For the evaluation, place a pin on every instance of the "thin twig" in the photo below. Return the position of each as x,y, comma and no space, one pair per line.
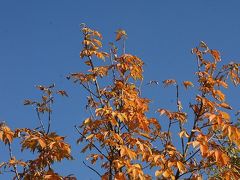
111,60
96,82
49,115
124,44
180,123
92,144
11,157
192,155
92,169
89,90
40,121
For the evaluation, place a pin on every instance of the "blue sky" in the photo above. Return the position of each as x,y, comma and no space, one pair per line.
40,44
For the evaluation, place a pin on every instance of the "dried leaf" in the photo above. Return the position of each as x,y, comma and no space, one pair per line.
169,82
120,33
62,92
187,84
225,105
181,167
216,55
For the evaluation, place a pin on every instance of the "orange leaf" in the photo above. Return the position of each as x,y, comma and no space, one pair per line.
90,136
120,33
204,150
96,33
181,167
167,173
88,63
216,55
158,173
187,84
212,117
225,115
120,176
218,95
225,105
97,42
41,143
183,133
169,82
87,121
195,143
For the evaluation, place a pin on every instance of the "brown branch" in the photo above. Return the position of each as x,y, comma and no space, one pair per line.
96,82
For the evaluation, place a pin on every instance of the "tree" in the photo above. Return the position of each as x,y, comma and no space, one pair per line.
120,138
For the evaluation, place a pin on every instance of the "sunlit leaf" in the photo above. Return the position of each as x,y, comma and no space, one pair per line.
120,33
187,84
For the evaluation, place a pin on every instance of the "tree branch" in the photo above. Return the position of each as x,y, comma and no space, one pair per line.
11,157
92,169
92,144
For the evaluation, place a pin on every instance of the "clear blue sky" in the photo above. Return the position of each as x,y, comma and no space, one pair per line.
40,44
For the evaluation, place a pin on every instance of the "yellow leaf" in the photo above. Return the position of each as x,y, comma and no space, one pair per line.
126,151
183,133
181,167
225,115
122,117
167,173
131,154
42,143
156,158
87,121
212,117
158,173
195,143
117,137
90,136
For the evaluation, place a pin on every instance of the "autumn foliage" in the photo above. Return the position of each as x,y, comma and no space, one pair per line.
120,139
